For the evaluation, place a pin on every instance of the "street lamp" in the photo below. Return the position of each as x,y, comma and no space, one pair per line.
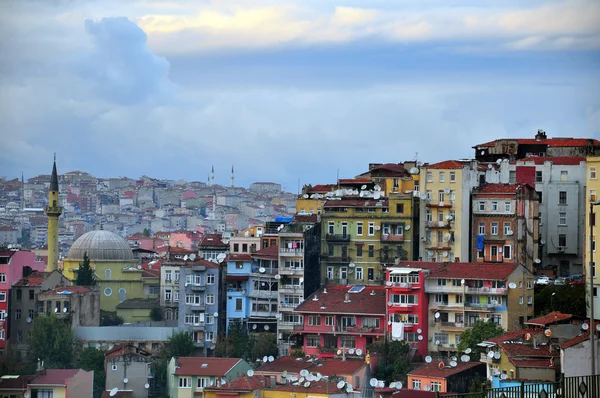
591,273
551,299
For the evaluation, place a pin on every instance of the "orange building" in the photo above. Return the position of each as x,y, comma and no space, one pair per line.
441,377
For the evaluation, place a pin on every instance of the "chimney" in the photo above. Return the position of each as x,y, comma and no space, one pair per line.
541,135
347,298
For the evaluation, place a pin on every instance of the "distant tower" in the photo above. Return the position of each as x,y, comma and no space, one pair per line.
53,211
232,177
212,177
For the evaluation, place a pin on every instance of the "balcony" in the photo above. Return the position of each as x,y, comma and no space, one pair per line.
495,238
267,271
198,268
402,285
197,288
283,251
196,327
337,238
287,306
444,204
441,246
357,330
264,314
451,326
444,289
288,325
437,224
485,359
480,306
447,305
337,259
398,307
199,343
486,290
198,307
269,294
291,270
291,289
392,238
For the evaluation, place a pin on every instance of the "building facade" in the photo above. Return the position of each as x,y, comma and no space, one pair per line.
591,255
79,305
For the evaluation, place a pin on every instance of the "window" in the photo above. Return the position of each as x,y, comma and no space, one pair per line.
452,176
210,279
348,341
507,229
359,228
328,321
428,194
593,173
330,227
436,386
442,176
359,273
440,196
507,252
512,176
371,229
209,336
562,240
210,319
562,198
168,295
185,382
31,313
313,340
480,253
452,196
507,207
19,336
238,304
429,176
416,384
1,334
330,249
358,250
494,228
210,298
43,393
2,296
176,274
329,272
538,176
19,294
168,275
530,300
122,295
481,205
529,285
441,298
314,320
564,176
108,292
520,299
562,218
203,382
17,314
399,208
371,274
2,277
428,215
371,250
494,206
31,294
481,228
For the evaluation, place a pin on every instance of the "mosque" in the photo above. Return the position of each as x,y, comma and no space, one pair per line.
118,273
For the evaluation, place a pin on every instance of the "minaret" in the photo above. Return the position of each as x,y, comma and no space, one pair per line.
232,177
53,211
212,177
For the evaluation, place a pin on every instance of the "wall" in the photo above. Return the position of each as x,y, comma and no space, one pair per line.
520,277
576,360
81,385
134,315
132,366
425,381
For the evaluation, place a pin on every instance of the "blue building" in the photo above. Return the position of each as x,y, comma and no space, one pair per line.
199,286
239,267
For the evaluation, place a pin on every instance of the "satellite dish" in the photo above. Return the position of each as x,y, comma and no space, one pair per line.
437,342
250,372
216,314
483,152
381,384
341,384
146,386
407,227
266,327
388,283
393,384
428,359
310,377
467,358
447,237
437,315
512,285
307,384
373,382
284,374
445,254
27,395
339,352
504,376
598,327
527,336
453,363
498,161
277,276
426,388
265,358
363,187
390,303
254,327
490,166
351,351
490,354
301,279
453,358
398,385
358,351
305,196
185,258
65,309
271,358
221,257
56,310
28,320
423,196
446,190
468,351
537,260
377,187
114,392
420,337
126,380
192,256
548,332
585,326
351,265
497,355
441,365
261,270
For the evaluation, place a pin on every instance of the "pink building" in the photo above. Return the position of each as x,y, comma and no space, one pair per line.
14,265
185,239
342,318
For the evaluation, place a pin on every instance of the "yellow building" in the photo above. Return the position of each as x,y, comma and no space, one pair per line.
311,200
119,275
444,189
363,230
593,195
62,383
393,177
53,211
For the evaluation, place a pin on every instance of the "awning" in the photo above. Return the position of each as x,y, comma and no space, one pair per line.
403,270
237,277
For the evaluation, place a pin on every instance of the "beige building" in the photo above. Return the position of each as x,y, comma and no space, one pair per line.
593,195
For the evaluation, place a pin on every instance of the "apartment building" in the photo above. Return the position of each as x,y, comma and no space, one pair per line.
505,224
263,294
393,177
445,189
170,275
592,211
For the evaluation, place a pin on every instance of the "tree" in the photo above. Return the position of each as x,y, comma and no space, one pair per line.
146,232
52,341
480,331
156,314
568,299
236,344
263,344
110,319
180,344
93,359
85,274
394,363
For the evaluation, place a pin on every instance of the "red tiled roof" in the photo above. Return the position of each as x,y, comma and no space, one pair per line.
485,271
6,228
239,257
360,303
532,363
549,319
268,253
551,142
206,263
243,383
419,264
316,387
212,240
328,367
54,377
312,218
576,340
517,334
350,181
499,188
447,164
193,366
35,279
16,383
433,369
72,289
322,188
151,273
338,367
407,393
556,160
119,394
7,253
389,170
527,350
288,363
355,203
187,194
180,250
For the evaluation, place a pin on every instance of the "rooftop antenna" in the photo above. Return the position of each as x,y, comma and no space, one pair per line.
232,177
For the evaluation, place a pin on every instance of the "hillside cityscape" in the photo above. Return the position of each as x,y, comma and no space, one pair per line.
466,276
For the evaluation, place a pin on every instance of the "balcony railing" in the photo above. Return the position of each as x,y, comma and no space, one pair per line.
403,285
267,271
198,307
437,224
444,289
264,293
354,329
446,304
392,238
485,359
291,270
291,289
482,306
337,238
452,325
289,324
293,252
198,268
264,313
486,290
440,203
197,288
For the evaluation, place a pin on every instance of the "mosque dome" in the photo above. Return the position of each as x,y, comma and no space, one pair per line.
101,245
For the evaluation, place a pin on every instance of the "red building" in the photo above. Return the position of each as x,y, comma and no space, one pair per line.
407,305
342,318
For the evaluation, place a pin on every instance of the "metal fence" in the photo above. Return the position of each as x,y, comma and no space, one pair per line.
568,387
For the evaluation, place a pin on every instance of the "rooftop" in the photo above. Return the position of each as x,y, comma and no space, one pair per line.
8,382
200,366
551,318
485,271
447,164
35,279
532,363
243,383
67,290
212,240
54,377
550,142
327,367
271,252
364,301
556,160
499,188
433,369
139,304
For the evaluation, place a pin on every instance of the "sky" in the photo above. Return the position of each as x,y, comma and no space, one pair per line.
293,91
